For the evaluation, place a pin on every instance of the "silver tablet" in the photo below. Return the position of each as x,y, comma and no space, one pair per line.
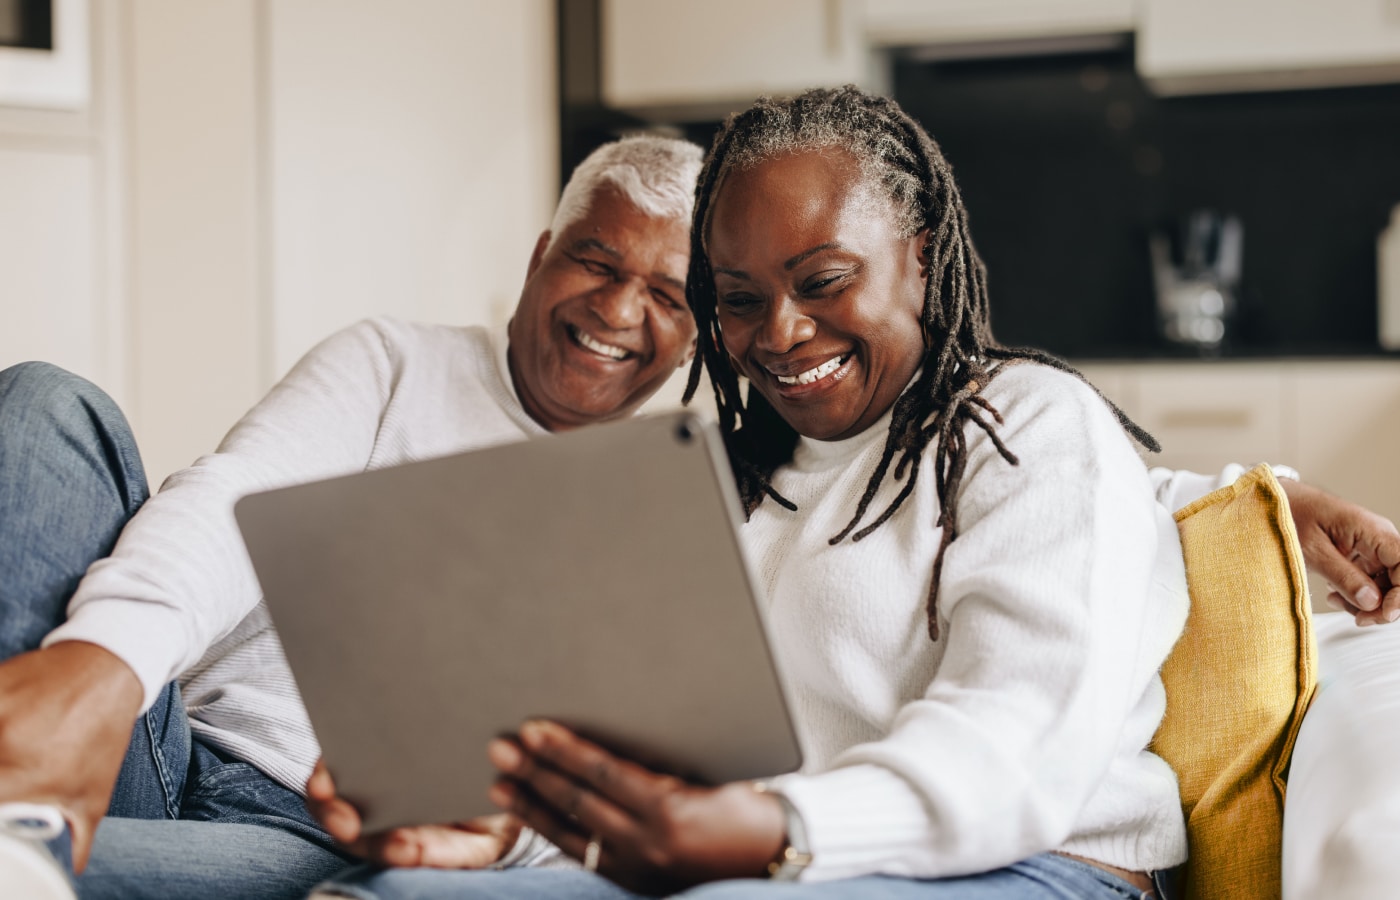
593,577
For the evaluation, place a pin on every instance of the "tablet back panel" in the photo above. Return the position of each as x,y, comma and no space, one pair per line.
592,577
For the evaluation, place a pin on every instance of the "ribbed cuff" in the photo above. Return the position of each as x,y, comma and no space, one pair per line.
139,634
859,819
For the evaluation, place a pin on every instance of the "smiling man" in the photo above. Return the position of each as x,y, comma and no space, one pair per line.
166,628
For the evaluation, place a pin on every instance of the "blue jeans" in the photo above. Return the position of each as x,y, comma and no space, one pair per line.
184,820
1045,877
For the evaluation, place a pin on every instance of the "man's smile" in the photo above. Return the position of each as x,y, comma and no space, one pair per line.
592,344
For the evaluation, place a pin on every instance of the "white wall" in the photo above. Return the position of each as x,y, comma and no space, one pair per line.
61,254
412,155
253,174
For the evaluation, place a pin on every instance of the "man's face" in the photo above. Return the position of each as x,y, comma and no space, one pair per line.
602,320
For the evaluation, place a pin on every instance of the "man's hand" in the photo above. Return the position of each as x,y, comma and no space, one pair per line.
66,715
1355,550
656,833
462,845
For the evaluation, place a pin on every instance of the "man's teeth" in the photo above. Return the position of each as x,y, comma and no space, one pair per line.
599,347
811,375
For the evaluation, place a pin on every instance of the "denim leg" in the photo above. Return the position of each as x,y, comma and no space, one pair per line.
366,882
153,775
134,859
70,478
1044,877
1048,876
222,788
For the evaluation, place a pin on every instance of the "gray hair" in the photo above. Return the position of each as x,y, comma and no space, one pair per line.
656,174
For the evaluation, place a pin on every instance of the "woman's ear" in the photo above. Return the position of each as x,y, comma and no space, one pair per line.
925,251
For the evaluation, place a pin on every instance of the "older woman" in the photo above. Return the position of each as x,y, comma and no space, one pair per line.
971,587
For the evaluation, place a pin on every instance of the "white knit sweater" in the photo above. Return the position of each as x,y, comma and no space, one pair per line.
178,597
1023,728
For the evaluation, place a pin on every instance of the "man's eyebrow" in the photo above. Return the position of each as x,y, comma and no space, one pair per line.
677,283
595,244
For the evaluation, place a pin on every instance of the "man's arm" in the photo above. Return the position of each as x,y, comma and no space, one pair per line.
65,722
1354,549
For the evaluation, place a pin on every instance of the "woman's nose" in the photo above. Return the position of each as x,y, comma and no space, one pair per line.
621,304
784,327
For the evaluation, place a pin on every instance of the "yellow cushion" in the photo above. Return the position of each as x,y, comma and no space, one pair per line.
1238,683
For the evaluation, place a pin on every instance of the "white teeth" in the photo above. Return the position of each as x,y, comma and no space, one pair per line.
598,347
811,375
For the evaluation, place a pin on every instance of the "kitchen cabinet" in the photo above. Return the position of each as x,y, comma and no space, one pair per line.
660,56
917,22
1337,422
1196,46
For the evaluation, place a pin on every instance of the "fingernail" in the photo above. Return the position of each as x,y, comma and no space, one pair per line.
1392,615
532,733
1368,597
504,755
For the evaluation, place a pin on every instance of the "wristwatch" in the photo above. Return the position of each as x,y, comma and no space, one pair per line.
796,854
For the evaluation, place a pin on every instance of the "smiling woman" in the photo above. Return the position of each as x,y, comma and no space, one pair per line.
973,672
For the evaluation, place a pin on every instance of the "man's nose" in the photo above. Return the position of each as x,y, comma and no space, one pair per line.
784,326
621,304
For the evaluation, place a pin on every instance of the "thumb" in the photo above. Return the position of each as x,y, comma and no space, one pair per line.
1349,579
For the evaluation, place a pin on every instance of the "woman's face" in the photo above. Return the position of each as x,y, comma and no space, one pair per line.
819,297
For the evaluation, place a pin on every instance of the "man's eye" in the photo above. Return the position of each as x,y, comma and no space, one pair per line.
594,267
667,299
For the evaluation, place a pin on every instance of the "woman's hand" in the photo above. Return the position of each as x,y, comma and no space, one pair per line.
462,845
657,833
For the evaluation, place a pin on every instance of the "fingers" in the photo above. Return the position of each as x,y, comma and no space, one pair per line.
561,831
340,819
583,807
437,846
1343,574
320,786
625,783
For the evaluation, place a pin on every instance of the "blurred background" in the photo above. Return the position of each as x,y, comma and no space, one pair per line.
1191,199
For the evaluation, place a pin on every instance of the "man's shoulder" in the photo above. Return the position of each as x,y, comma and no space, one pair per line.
404,332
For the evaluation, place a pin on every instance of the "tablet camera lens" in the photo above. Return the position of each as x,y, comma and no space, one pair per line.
685,433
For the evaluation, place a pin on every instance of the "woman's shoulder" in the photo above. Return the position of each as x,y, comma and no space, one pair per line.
1042,405
1027,388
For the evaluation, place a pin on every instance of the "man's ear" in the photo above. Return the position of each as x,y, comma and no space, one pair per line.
537,256
689,354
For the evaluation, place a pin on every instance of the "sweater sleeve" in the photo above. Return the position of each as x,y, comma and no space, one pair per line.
179,577
1177,487
1057,615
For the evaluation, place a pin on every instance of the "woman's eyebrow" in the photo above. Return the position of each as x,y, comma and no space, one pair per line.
805,255
788,265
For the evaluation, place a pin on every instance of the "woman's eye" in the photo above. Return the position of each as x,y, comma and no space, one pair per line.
738,302
824,282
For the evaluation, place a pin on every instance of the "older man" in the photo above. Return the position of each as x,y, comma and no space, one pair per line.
601,323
